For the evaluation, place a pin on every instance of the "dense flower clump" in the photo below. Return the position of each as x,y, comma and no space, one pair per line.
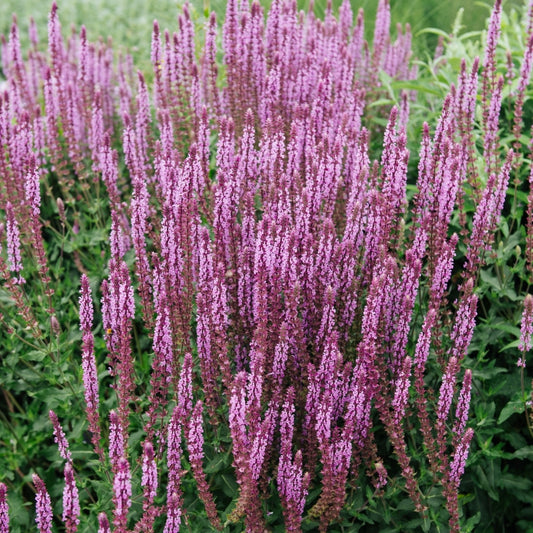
294,298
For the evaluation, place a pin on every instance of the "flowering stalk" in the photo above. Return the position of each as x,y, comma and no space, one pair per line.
59,438
71,502
90,378
4,510
43,506
195,442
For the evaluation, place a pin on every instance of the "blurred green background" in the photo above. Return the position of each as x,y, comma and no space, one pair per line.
129,22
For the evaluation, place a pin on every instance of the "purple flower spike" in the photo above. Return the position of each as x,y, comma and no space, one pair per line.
116,441
43,506
59,437
103,524
90,375
4,510
149,472
121,494
461,415
457,465
71,502
13,241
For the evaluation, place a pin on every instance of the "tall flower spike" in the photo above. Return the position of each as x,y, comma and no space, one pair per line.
71,502
43,506
489,62
195,443
13,242
88,364
4,510
175,472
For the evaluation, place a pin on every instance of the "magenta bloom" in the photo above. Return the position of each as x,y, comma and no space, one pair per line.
4,510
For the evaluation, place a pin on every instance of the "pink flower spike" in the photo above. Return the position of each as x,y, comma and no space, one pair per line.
43,506
71,502
461,414
149,472
103,524
4,510
526,326
86,305
59,437
457,466
116,441
447,390
13,242
175,472
122,494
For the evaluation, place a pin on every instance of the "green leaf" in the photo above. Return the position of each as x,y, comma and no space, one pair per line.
524,453
512,407
514,483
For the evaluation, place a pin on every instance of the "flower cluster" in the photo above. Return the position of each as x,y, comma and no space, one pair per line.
277,266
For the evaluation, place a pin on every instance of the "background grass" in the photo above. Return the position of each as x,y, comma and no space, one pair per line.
129,22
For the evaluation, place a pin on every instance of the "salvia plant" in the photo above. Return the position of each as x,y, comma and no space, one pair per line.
273,304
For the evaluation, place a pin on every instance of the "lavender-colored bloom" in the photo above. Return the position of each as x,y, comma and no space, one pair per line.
461,414
292,482
86,305
116,441
195,436
55,40
31,189
59,437
237,415
174,452
43,506
447,390
172,524
103,524
121,494
489,62
463,328
195,444
185,388
4,510
149,472
401,393
457,466
90,376
71,502
262,439
13,241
